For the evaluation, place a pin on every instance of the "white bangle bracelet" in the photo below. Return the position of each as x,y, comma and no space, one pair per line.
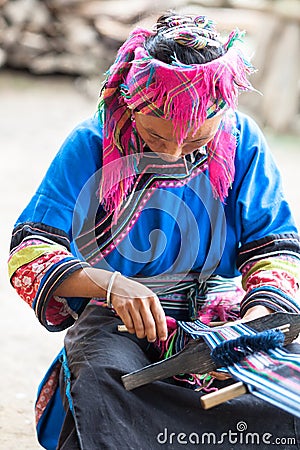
109,288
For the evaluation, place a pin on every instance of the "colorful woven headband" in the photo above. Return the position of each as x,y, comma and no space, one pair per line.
155,88
197,32
138,81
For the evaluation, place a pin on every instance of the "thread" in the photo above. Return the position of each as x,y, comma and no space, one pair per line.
232,351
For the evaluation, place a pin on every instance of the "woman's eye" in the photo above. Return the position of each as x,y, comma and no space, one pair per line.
199,141
155,136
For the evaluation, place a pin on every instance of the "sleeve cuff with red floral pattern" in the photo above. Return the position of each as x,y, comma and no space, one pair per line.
40,260
270,270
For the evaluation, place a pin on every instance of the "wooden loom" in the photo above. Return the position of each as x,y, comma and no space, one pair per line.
195,357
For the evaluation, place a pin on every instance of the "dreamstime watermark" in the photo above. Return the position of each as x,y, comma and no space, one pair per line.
239,436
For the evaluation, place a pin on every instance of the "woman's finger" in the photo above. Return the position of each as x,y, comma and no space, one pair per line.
138,323
160,320
127,320
149,322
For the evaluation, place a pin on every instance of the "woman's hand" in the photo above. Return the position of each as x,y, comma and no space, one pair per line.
137,305
255,312
139,308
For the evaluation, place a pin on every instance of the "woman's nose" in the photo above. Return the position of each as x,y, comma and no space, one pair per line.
173,149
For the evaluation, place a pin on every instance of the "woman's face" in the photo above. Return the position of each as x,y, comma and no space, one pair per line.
159,135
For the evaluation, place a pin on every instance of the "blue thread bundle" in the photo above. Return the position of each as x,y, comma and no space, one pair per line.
229,352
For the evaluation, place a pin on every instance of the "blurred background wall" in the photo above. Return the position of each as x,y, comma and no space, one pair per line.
80,38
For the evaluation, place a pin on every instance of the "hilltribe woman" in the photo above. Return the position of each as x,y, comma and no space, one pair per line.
149,213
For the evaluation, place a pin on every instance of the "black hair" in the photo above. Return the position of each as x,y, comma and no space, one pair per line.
165,49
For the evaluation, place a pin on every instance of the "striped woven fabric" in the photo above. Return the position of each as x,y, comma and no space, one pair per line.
186,297
272,375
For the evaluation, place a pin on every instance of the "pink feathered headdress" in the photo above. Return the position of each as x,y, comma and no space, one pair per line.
185,94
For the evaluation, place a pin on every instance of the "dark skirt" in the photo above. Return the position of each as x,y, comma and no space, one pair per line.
101,414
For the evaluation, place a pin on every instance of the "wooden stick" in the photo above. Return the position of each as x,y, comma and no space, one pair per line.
123,328
284,328
223,395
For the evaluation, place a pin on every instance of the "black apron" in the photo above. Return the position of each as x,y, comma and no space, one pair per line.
161,415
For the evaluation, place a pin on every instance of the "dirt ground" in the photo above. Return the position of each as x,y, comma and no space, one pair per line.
36,115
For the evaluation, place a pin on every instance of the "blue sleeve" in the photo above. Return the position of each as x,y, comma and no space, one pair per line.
261,207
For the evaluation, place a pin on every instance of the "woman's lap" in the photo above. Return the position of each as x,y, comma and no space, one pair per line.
159,415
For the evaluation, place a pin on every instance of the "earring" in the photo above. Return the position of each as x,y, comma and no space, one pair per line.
132,118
